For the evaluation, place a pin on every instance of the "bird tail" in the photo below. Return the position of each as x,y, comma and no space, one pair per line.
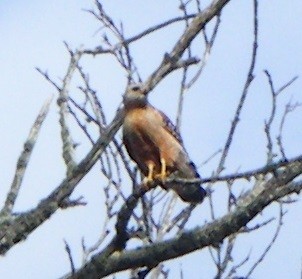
188,191
191,193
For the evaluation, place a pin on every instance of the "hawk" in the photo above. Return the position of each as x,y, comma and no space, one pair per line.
154,144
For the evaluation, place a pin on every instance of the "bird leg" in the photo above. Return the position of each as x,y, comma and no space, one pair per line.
163,172
149,177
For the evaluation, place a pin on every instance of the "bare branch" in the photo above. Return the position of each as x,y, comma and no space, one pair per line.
46,76
191,240
68,145
250,78
236,266
227,257
267,249
100,50
225,151
67,203
206,54
258,226
268,123
68,250
272,168
148,219
25,223
87,251
286,85
288,109
24,160
196,25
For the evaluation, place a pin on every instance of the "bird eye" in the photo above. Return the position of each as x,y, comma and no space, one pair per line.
135,88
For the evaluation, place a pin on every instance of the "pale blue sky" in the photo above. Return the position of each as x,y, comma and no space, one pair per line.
32,34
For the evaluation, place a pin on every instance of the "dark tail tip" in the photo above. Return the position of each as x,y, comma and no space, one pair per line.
193,193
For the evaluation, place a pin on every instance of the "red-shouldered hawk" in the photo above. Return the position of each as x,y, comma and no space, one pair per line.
154,144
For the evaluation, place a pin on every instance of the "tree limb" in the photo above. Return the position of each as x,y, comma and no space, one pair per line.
19,228
198,238
24,160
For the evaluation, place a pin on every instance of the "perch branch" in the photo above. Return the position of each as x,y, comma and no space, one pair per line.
192,240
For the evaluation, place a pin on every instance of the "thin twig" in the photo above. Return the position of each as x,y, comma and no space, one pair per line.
67,203
283,87
184,74
206,53
229,140
237,266
269,246
268,124
195,26
46,76
258,226
88,251
82,126
250,78
243,175
68,145
68,250
288,109
100,50
227,257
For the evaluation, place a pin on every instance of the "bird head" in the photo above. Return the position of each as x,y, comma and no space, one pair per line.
135,96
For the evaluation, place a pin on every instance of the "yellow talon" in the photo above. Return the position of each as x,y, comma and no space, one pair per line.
163,173
149,178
